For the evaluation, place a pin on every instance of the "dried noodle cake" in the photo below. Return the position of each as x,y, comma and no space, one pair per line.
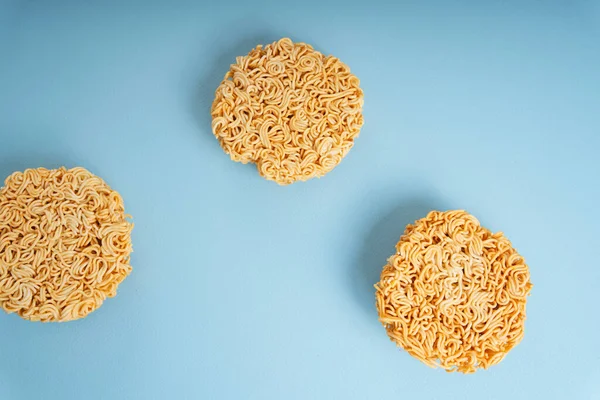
65,243
454,294
289,109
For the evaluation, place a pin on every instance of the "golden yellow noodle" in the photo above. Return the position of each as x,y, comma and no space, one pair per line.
289,109
64,244
454,294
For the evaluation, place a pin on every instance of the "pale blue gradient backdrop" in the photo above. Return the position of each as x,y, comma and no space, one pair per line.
245,290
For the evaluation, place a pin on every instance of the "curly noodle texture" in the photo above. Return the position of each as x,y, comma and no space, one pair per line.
454,294
289,109
64,244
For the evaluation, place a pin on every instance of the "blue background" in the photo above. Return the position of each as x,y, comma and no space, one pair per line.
245,290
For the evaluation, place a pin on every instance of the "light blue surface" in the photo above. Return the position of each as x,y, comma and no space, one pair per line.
245,290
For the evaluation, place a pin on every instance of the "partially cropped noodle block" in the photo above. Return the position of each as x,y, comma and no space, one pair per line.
64,244
454,294
289,109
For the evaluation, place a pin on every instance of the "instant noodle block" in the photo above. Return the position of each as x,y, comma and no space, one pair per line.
454,294
65,242
289,109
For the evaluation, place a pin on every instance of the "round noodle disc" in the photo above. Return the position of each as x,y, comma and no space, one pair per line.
64,244
289,109
454,294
